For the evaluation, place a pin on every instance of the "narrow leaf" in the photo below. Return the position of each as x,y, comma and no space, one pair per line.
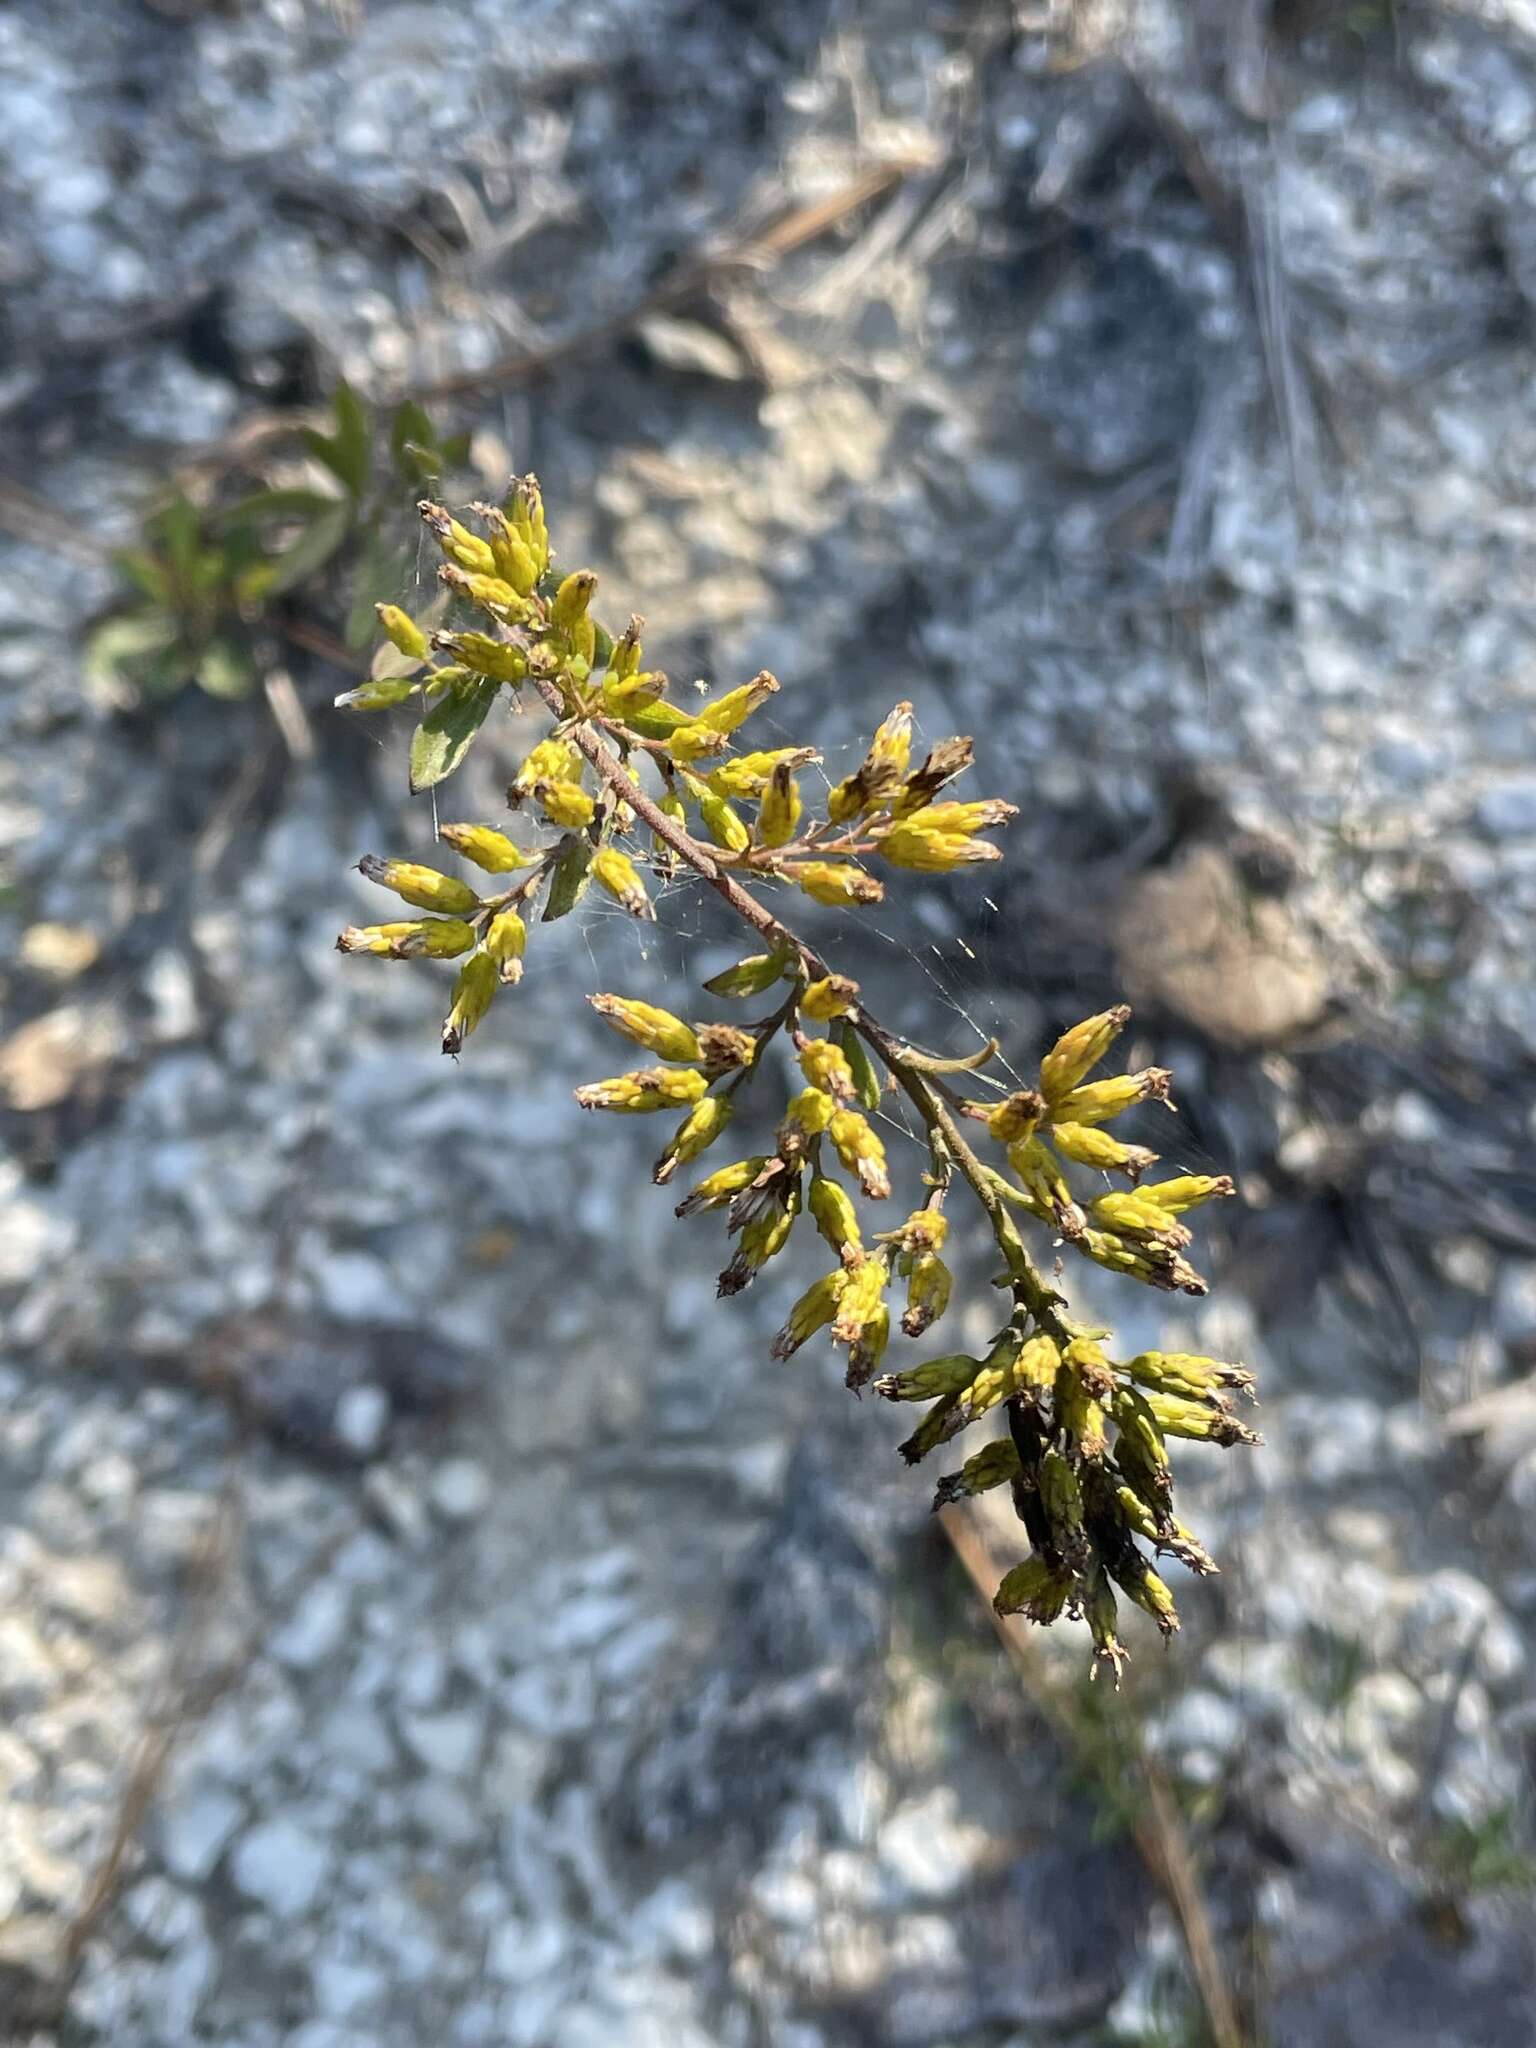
572,873
445,735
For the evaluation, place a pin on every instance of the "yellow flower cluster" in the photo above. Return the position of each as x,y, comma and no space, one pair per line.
626,782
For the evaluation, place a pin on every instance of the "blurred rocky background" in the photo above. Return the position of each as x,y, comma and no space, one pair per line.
424,1614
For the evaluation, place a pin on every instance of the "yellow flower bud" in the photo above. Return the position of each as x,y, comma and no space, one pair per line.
723,824
924,1231
572,599
1201,1421
1018,1116
747,774
833,1212
567,804
995,1464
812,1312
879,775
513,557
811,1111
550,761
835,882
763,1236
472,995
726,713
723,1185
1041,1178
861,1152
695,1134
1091,1147
1101,1100
1079,1050
779,811
432,938
657,1030
833,996
402,631
912,844
506,940
617,873
964,819
466,550
525,516
489,592
486,847
423,887
1035,1589
1036,1367
825,1067
1101,1614
379,693
1133,1216
929,1285
936,1379
1188,1191
1080,1417
1137,1580
1183,1372
650,1088
484,656
935,1428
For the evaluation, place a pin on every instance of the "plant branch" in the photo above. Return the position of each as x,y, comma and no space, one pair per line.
1030,1288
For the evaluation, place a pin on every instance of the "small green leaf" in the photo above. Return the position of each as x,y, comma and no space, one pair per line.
177,529
455,450
291,503
135,654
572,873
353,440
410,423
445,735
311,551
145,572
224,669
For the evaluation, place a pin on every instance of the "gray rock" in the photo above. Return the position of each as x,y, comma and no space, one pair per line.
194,1829
1508,811
460,1490
314,1630
281,1864
449,1742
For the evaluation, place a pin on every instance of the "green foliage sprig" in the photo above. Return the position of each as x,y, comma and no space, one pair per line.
203,579
629,781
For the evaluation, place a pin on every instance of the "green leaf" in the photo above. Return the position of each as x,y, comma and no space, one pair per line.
572,873
311,551
224,669
291,503
445,735
145,571
455,450
135,654
353,440
177,529
410,423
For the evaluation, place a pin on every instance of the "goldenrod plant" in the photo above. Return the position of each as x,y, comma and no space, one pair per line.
628,783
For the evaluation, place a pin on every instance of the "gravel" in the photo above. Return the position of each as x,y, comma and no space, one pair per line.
541,1668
